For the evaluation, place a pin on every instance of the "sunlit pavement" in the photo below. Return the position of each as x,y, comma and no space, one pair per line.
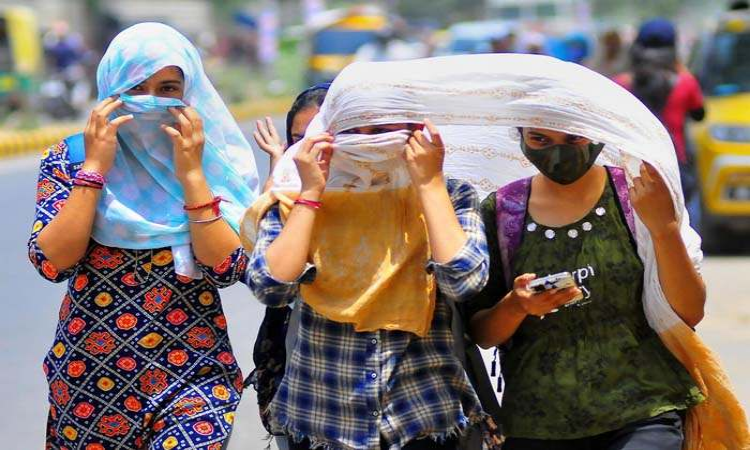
30,309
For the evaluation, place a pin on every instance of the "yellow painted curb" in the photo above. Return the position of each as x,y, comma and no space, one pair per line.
16,143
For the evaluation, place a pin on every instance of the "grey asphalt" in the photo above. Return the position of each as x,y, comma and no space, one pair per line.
30,309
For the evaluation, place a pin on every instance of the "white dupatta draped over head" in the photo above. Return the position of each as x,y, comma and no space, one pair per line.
476,102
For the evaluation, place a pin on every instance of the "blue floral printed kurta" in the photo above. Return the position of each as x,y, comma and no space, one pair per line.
141,356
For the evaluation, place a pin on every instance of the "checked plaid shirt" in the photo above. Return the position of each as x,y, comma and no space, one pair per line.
348,390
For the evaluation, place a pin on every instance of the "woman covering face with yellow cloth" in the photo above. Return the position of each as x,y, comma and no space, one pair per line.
362,226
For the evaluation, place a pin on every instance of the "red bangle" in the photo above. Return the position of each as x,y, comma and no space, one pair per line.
213,204
311,203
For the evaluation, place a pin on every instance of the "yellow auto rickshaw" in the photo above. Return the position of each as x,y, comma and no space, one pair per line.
338,37
721,61
20,54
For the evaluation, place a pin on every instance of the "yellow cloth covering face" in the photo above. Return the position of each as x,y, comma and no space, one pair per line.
370,251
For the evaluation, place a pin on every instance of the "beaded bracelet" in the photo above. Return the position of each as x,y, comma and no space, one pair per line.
90,176
311,203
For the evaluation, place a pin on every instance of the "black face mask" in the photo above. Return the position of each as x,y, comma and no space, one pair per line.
563,163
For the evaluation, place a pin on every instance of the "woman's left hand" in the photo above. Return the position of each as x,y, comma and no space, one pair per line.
653,202
188,139
424,157
268,138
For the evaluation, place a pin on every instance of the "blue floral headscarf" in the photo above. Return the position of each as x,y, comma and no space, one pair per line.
142,203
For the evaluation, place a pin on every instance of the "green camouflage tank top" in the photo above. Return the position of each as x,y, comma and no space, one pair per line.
595,366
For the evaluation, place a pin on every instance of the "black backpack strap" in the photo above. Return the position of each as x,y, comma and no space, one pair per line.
468,353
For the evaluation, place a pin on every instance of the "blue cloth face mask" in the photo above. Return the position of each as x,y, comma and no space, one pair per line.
143,174
149,104
144,132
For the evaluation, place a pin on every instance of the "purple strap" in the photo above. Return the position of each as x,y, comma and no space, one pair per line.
623,195
511,203
510,206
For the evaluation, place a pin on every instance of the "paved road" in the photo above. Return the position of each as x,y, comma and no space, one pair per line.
31,307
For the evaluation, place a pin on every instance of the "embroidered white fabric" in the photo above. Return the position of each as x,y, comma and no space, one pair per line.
476,102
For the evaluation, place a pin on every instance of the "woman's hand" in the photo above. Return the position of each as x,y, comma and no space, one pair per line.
539,304
313,161
680,281
424,161
100,136
188,140
424,157
66,238
268,138
653,202
287,254
494,326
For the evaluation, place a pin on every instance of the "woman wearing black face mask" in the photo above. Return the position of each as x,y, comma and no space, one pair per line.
582,367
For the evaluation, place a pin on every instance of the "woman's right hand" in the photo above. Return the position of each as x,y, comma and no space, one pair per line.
313,161
268,139
100,136
539,304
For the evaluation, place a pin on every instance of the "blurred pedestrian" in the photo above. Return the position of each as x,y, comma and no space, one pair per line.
140,213
64,47
270,350
577,48
504,42
612,55
670,92
66,91
533,43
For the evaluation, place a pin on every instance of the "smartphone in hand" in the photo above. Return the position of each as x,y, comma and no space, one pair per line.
560,280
